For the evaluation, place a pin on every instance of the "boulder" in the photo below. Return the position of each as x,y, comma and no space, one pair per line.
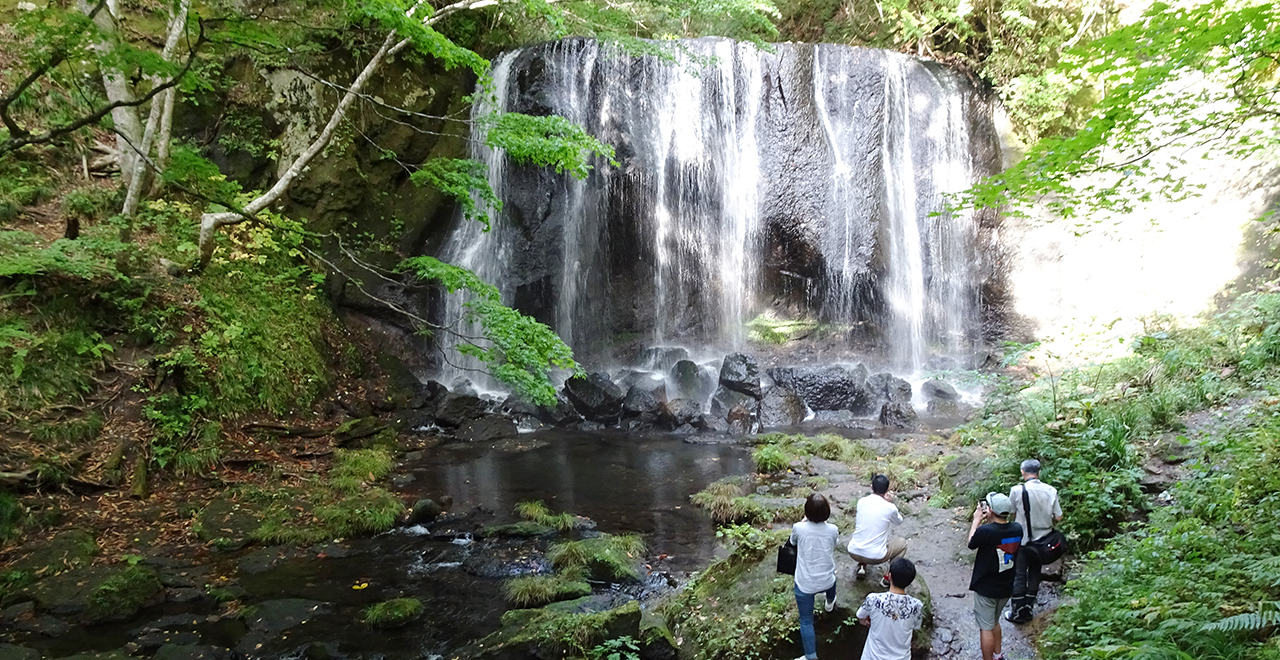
529,634
645,396
456,409
595,396
939,389
833,387
662,358
679,412
424,512
943,408
740,421
487,428
898,415
726,399
713,423
963,473
12,652
888,387
740,373
781,407
228,524
691,381
427,395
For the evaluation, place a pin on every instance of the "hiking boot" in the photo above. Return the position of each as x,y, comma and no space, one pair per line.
829,604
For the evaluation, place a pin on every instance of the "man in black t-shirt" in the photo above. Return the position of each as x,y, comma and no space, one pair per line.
997,543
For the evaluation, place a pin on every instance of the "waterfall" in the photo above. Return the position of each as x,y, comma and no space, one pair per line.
802,182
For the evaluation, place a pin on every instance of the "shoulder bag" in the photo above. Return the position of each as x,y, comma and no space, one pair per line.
787,558
1048,548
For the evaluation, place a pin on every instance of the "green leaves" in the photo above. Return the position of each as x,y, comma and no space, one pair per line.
1200,76
465,181
550,141
520,351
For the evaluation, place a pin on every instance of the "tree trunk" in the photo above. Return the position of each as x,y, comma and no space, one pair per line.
177,23
211,222
127,125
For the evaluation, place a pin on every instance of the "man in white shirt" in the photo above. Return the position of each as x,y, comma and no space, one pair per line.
1045,511
892,617
877,514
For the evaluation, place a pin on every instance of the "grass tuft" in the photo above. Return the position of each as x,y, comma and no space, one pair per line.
392,613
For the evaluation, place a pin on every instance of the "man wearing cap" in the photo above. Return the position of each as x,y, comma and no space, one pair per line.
997,541
1045,510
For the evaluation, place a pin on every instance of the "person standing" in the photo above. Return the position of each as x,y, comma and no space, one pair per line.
997,541
877,514
815,540
1037,515
892,617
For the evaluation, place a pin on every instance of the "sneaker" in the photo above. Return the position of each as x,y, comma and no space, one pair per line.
862,572
884,582
998,656
829,604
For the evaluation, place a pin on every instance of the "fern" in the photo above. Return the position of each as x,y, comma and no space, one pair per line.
1268,615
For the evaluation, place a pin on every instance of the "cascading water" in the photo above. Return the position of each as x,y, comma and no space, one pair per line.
742,176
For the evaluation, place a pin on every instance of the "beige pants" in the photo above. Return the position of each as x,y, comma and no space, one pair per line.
897,548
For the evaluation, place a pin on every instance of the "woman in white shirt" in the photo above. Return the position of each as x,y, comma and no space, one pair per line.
815,540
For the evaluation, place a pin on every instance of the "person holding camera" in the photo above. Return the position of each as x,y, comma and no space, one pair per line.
997,541
871,543
1037,509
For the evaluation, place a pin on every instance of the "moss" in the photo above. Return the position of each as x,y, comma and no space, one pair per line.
538,512
124,593
524,528
767,330
392,613
605,557
353,470
536,590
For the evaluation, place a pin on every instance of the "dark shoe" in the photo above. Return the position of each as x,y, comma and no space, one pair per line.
1008,616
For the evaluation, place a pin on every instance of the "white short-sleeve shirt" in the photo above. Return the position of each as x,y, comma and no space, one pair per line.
815,565
894,617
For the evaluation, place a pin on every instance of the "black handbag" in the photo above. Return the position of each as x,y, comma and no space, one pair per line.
1048,548
787,558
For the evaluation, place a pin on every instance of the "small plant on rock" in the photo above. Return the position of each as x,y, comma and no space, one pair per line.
770,459
537,590
392,613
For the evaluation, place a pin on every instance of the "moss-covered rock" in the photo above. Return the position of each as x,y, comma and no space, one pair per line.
98,593
228,524
741,607
559,630
521,529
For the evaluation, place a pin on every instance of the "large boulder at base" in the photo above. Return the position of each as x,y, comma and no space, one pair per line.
939,389
487,428
781,407
834,387
962,474
729,595
740,421
424,512
740,373
726,399
595,396
679,412
456,409
691,381
662,358
888,387
228,524
12,652
646,396
898,415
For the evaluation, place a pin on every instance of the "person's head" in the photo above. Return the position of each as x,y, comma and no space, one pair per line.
879,484
816,508
902,573
1000,505
1030,469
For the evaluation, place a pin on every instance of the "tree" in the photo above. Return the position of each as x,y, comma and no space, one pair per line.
1203,76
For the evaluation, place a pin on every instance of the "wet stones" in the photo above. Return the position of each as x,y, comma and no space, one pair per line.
12,652
678,413
645,396
939,390
487,428
887,387
726,399
833,387
424,512
595,396
662,358
781,407
456,409
898,414
691,381
740,373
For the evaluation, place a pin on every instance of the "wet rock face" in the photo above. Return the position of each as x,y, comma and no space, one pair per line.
740,373
887,387
726,399
487,428
456,409
898,415
780,407
646,396
691,381
828,388
662,358
595,396
681,412
939,389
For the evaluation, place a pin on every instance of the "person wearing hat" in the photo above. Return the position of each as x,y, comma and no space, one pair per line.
997,541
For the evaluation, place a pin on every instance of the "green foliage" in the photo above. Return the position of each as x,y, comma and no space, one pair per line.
522,351
618,648
1267,616
766,329
344,504
549,141
607,556
465,181
1183,75
354,470
770,459
124,591
538,590
12,516
21,254
392,613
538,512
